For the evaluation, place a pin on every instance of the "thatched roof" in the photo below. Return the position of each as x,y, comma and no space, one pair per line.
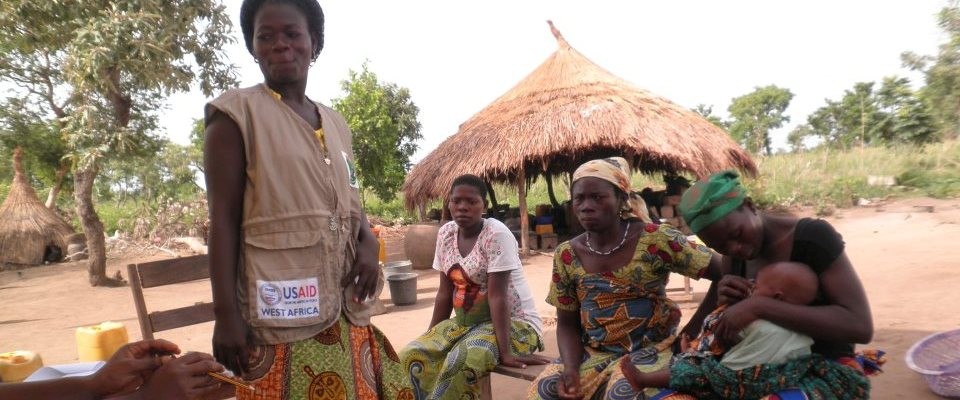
568,111
27,227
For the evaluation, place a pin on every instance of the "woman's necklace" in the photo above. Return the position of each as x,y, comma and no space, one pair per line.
608,252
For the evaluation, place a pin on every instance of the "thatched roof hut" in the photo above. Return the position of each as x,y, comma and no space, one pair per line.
567,111
29,231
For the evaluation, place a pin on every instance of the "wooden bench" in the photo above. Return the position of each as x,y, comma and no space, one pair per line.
529,374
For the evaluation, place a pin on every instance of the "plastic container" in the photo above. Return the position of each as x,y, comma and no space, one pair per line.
937,359
16,366
99,342
382,256
543,229
396,267
543,220
403,288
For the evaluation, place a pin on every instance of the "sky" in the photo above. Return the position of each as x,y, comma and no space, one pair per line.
456,57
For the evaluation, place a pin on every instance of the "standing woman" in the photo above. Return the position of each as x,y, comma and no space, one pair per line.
495,320
292,258
609,288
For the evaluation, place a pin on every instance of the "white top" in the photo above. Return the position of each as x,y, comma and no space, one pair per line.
763,342
496,250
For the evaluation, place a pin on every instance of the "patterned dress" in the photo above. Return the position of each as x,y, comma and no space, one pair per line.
449,360
623,313
344,361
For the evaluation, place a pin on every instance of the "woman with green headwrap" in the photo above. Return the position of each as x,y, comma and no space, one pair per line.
720,213
608,286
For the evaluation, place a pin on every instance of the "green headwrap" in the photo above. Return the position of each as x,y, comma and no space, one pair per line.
708,201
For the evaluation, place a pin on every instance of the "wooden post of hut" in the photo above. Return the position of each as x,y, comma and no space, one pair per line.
524,221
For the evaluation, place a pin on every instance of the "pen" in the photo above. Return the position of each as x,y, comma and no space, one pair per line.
233,381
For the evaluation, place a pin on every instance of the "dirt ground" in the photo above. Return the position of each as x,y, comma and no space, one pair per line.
904,254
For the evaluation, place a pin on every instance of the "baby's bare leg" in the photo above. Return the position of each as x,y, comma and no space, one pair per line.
641,380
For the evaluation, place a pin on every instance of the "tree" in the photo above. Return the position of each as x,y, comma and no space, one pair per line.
162,170
910,120
861,119
797,136
101,68
864,116
706,112
826,123
942,73
383,119
43,150
755,114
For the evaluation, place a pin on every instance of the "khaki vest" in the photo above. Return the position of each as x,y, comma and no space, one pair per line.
300,216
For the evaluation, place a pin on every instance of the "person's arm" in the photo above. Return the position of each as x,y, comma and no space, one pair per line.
716,269
365,264
569,332
845,318
72,388
123,373
224,167
443,304
185,378
498,284
692,329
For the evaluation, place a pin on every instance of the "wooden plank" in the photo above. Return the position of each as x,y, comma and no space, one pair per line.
529,373
486,391
146,330
174,270
183,316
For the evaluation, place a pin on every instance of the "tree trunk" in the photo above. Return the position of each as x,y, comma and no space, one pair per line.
55,190
524,221
493,196
83,180
553,196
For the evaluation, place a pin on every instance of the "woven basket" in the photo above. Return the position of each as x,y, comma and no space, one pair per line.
937,359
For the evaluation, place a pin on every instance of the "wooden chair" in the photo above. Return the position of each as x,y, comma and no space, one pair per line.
168,272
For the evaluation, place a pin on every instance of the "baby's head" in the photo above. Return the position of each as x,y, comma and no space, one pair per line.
791,282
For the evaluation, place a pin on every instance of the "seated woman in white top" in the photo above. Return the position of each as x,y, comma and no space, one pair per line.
495,319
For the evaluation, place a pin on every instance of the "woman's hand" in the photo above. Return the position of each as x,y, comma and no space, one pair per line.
734,319
510,360
130,366
732,289
569,386
366,266
230,344
186,378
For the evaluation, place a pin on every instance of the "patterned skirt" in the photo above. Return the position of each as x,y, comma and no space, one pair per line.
600,375
813,375
342,362
449,360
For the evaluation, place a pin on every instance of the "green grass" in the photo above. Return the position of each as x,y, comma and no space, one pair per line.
114,215
390,211
827,179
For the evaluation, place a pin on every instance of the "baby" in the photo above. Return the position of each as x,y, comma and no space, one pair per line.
762,342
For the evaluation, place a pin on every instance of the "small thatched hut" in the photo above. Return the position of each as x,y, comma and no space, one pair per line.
567,111
30,233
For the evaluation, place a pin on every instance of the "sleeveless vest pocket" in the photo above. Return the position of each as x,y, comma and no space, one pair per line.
292,272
